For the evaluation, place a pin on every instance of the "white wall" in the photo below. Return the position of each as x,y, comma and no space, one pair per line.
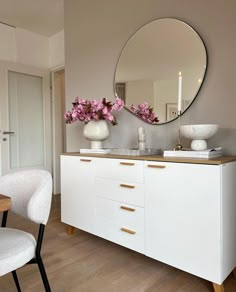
95,36
56,50
22,46
8,43
25,47
138,91
31,48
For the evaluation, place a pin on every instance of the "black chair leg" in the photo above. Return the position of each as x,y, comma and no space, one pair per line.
4,218
16,280
43,274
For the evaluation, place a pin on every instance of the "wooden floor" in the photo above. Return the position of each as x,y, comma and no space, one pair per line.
85,263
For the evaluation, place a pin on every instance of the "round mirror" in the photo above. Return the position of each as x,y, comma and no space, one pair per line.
160,70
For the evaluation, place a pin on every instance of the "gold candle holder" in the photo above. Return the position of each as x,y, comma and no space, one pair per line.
179,146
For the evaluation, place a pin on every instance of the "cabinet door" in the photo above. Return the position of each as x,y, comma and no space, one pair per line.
183,216
77,189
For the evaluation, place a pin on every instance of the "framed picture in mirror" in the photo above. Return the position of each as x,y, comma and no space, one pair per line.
171,111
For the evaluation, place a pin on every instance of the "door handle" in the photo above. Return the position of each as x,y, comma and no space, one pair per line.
7,132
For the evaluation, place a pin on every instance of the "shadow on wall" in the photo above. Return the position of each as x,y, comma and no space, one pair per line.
125,134
227,138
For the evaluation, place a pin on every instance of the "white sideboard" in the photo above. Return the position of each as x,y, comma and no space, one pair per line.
182,214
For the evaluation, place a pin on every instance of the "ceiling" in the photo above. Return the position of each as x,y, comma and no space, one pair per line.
45,17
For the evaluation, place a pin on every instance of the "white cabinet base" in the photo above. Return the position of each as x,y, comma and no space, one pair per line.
182,214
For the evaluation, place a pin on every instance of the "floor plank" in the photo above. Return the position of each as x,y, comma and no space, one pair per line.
85,263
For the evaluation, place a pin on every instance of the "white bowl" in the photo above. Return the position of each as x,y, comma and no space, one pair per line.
198,133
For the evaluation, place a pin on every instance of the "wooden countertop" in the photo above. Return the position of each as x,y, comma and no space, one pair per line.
213,161
5,203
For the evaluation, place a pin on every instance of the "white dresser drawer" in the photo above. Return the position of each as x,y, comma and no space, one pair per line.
131,193
120,169
120,223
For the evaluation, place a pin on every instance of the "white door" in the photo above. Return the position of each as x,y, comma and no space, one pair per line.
25,118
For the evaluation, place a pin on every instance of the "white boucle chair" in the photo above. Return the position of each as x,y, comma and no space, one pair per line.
31,194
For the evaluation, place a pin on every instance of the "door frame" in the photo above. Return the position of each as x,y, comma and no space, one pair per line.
6,66
55,165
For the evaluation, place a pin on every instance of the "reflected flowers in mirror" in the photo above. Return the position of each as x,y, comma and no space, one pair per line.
145,112
85,110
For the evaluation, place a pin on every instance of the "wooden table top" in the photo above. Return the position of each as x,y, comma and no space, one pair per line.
212,161
5,203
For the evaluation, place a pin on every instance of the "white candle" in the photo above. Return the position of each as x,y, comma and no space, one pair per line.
180,93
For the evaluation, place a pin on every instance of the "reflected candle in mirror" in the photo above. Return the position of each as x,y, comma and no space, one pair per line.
180,93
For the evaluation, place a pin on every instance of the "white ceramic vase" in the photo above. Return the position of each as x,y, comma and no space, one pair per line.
96,132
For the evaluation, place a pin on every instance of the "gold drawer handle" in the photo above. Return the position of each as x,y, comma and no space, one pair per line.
85,160
127,186
156,166
127,163
127,230
127,208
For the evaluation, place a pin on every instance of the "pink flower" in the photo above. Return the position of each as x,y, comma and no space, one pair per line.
145,112
118,105
105,111
86,110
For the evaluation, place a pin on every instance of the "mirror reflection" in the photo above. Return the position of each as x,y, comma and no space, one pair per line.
161,70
